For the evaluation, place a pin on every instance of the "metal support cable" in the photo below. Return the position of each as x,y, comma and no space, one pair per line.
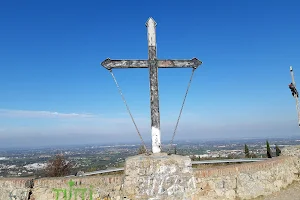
124,100
186,93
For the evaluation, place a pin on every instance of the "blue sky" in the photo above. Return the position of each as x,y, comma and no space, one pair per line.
54,91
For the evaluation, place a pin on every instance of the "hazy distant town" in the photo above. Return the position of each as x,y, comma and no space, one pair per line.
88,158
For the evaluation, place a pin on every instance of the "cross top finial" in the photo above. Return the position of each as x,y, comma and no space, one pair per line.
150,22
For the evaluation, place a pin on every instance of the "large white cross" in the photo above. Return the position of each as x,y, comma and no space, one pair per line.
153,64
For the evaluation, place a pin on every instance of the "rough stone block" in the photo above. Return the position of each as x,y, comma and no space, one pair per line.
158,176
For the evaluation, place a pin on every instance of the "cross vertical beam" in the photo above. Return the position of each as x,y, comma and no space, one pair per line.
153,76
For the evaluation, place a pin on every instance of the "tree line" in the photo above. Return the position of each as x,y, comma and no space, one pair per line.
60,166
269,152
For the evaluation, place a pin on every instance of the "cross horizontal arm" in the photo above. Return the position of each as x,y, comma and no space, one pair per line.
109,64
194,63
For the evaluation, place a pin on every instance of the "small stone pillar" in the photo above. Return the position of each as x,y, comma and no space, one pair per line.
158,176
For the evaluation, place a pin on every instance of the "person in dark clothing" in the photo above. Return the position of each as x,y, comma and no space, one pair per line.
293,90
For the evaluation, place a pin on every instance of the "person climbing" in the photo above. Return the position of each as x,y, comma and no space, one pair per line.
293,90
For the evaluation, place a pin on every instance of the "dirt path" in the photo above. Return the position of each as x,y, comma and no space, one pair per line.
292,192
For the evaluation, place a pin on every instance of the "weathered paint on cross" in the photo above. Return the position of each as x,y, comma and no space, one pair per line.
292,75
119,64
153,64
295,96
154,96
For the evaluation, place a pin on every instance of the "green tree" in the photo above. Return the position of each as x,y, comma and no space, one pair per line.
193,158
175,150
278,151
269,153
247,155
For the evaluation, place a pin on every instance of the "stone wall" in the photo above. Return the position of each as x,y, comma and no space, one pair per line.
14,189
91,188
245,181
239,181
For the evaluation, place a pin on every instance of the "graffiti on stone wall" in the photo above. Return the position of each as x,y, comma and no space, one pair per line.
73,192
168,184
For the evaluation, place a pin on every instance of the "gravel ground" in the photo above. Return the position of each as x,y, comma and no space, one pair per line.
292,192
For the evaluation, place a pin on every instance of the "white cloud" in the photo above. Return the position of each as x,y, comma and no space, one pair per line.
41,114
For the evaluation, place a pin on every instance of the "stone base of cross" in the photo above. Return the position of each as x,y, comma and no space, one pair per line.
153,64
159,176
